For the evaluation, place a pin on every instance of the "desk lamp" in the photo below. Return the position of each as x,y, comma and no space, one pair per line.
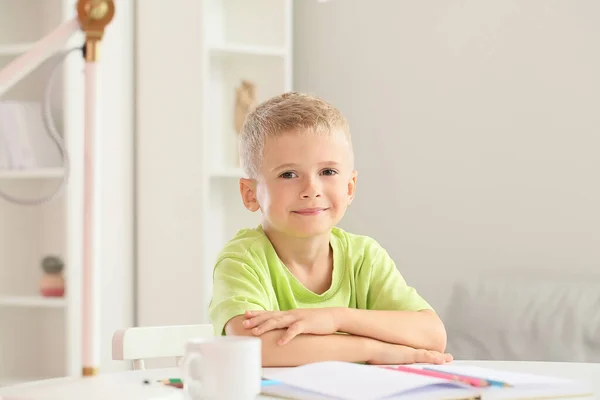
92,18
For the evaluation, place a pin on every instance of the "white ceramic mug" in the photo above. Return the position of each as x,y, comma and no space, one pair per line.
222,368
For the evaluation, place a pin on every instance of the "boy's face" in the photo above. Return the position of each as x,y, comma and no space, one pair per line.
305,183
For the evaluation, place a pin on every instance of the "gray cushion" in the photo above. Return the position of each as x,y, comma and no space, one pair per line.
495,319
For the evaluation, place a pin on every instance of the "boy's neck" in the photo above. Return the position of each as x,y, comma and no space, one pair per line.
300,253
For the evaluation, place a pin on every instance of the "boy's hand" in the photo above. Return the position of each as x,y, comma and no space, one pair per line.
317,321
391,354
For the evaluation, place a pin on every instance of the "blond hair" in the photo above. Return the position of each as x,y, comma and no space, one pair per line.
289,112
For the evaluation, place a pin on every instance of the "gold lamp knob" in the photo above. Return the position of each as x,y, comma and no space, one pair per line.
94,16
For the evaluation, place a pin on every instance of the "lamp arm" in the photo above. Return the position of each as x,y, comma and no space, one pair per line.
40,52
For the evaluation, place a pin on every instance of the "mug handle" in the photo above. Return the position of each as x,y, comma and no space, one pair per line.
192,387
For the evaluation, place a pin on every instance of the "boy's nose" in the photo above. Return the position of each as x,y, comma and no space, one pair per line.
311,190
310,195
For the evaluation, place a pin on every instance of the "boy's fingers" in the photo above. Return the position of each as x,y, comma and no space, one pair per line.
436,358
251,323
279,322
259,319
294,330
252,313
285,321
430,357
265,327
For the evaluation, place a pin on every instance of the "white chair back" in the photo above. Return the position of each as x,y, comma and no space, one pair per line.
140,343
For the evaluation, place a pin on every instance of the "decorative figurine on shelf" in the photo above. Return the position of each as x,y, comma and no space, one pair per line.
52,283
245,101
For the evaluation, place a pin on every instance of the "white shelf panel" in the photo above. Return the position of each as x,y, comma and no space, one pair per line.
8,381
33,301
227,72
14,49
251,22
12,381
234,49
227,173
41,173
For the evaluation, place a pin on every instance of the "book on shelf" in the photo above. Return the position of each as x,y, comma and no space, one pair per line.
24,140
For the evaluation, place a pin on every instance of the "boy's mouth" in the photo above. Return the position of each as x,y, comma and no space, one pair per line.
310,211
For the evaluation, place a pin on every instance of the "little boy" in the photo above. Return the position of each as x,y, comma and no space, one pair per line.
311,291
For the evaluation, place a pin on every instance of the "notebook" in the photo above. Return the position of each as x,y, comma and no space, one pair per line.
348,381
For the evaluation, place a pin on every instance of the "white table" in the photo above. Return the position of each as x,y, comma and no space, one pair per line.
129,385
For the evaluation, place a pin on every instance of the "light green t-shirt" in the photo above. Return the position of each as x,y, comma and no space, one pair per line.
249,275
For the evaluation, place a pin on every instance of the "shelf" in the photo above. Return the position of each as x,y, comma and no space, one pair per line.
9,381
14,49
12,381
227,173
253,22
42,173
32,301
268,74
235,49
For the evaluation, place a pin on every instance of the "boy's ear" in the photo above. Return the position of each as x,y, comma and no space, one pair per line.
248,192
352,186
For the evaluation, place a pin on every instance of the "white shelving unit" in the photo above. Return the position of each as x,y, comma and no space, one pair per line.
40,337
28,233
244,40
32,302
38,173
239,49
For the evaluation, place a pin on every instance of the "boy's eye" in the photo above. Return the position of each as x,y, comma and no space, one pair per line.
288,175
329,172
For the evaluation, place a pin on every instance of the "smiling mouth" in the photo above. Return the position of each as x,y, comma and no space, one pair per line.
310,211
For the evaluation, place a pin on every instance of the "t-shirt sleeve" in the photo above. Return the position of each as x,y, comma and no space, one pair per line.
387,288
236,289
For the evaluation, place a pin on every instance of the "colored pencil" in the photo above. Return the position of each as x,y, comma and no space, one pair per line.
476,382
170,380
489,382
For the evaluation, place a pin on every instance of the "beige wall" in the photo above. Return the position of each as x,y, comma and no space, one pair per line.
476,128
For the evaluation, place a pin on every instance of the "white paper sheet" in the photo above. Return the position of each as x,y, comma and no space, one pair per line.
356,381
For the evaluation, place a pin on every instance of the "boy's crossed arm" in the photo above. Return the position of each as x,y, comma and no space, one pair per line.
417,329
307,348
